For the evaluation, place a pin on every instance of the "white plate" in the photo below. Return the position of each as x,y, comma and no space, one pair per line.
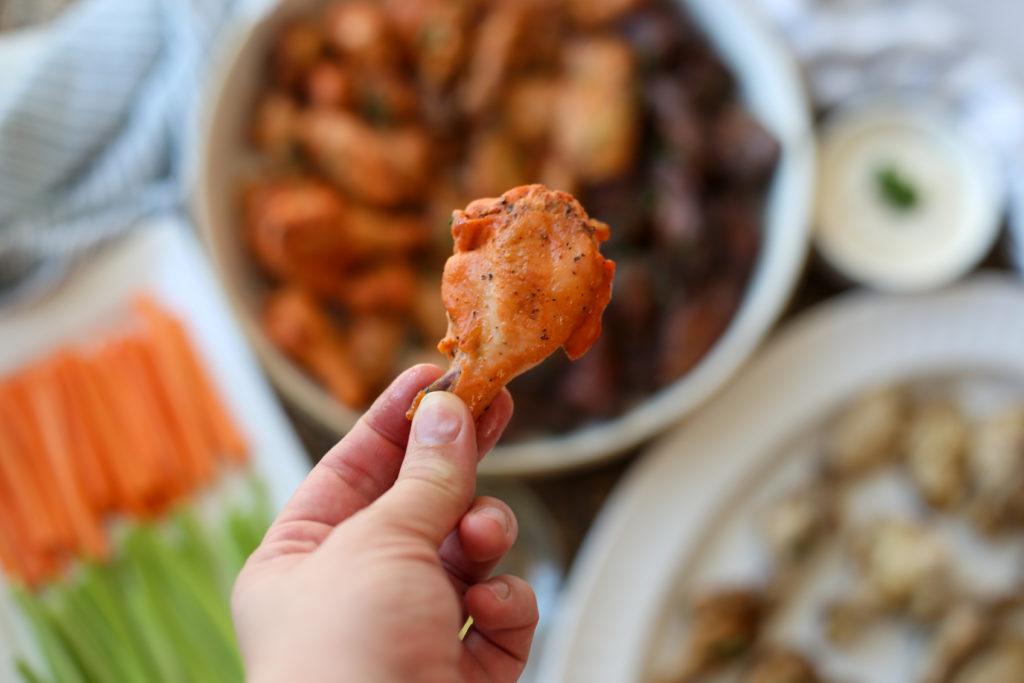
771,87
629,567
165,261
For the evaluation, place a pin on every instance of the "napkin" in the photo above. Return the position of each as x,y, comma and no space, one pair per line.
852,49
93,129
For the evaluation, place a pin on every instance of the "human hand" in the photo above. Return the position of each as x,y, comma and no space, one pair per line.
370,570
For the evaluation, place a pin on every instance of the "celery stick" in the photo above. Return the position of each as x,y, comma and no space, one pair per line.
111,641
194,636
83,636
146,621
202,553
63,667
104,597
27,673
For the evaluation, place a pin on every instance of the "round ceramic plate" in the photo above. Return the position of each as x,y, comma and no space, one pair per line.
641,551
771,87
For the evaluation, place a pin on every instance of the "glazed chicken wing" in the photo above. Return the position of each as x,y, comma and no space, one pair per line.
526,278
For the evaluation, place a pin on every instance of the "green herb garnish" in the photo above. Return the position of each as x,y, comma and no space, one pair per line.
896,189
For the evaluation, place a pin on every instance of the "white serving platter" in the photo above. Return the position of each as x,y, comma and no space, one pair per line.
165,261
652,544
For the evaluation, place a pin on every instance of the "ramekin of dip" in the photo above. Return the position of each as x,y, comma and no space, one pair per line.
906,201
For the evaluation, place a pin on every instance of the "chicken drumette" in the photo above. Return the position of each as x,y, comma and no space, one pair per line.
526,278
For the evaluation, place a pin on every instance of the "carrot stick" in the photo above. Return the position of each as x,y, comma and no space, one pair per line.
138,453
25,498
179,476
127,484
19,557
187,411
194,451
178,352
44,406
15,549
32,451
91,470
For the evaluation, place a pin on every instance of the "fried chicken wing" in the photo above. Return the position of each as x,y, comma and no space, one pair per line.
526,278
381,167
296,324
596,121
436,33
301,229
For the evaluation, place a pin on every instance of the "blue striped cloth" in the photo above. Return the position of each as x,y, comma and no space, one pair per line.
92,140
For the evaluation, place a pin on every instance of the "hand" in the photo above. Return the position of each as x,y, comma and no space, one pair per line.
372,567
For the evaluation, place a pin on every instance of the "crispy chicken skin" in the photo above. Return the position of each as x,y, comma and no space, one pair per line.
526,278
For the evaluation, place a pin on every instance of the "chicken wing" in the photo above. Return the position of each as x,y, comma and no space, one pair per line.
381,167
526,278
296,324
301,229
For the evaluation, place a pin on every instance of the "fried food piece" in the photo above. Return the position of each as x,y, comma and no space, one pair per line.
781,665
724,627
935,450
691,326
676,120
295,324
593,13
794,524
381,167
359,30
388,287
529,107
596,123
301,229
297,49
526,278
907,565
962,632
995,461
497,40
849,616
385,99
274,125
375,341
294,229
435,33
330,85
866,433
494,162
1001,663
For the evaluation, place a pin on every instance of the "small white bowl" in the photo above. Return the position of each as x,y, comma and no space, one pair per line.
955,196
772,89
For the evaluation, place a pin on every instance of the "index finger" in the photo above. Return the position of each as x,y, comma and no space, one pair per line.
365,463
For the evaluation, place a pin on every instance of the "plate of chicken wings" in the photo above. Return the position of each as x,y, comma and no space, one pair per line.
340,137
848,510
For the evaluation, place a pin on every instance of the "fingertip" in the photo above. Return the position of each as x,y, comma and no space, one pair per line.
492,423
440,419
502,603
488,530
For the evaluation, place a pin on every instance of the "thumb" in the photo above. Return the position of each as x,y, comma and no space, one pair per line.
437,479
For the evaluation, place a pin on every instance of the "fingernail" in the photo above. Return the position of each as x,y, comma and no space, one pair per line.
498,516
500,589
438,419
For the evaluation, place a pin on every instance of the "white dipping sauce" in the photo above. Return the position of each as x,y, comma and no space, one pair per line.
934,219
